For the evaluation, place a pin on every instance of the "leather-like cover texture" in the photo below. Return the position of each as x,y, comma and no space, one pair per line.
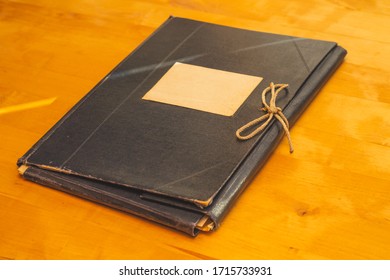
163,162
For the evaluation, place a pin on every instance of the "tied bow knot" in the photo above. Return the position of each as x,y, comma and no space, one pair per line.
271,111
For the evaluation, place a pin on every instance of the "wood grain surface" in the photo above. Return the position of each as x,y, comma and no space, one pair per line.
330,199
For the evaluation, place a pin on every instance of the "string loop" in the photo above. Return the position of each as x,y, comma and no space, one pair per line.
272,111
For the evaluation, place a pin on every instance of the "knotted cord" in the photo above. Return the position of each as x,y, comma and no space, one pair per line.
272,111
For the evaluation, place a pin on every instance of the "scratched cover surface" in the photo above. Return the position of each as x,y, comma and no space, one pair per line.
170,153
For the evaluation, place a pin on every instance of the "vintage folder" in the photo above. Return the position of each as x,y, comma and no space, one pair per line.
157,136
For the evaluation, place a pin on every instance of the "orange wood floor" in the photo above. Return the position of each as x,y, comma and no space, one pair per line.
328,200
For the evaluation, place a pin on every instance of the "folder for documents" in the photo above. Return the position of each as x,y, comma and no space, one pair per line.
157,136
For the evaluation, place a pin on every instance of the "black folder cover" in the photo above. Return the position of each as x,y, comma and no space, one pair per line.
177,166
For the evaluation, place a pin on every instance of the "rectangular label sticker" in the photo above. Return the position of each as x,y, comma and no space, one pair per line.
205,89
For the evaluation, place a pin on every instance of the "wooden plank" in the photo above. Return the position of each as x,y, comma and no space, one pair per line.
328,200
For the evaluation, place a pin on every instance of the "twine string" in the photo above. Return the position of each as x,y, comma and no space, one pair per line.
272,111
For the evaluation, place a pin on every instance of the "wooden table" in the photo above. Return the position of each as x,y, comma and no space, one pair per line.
328,200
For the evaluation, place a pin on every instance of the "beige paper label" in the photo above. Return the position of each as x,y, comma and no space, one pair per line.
204,89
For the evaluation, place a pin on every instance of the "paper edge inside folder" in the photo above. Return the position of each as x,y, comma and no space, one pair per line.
205,224
22,169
